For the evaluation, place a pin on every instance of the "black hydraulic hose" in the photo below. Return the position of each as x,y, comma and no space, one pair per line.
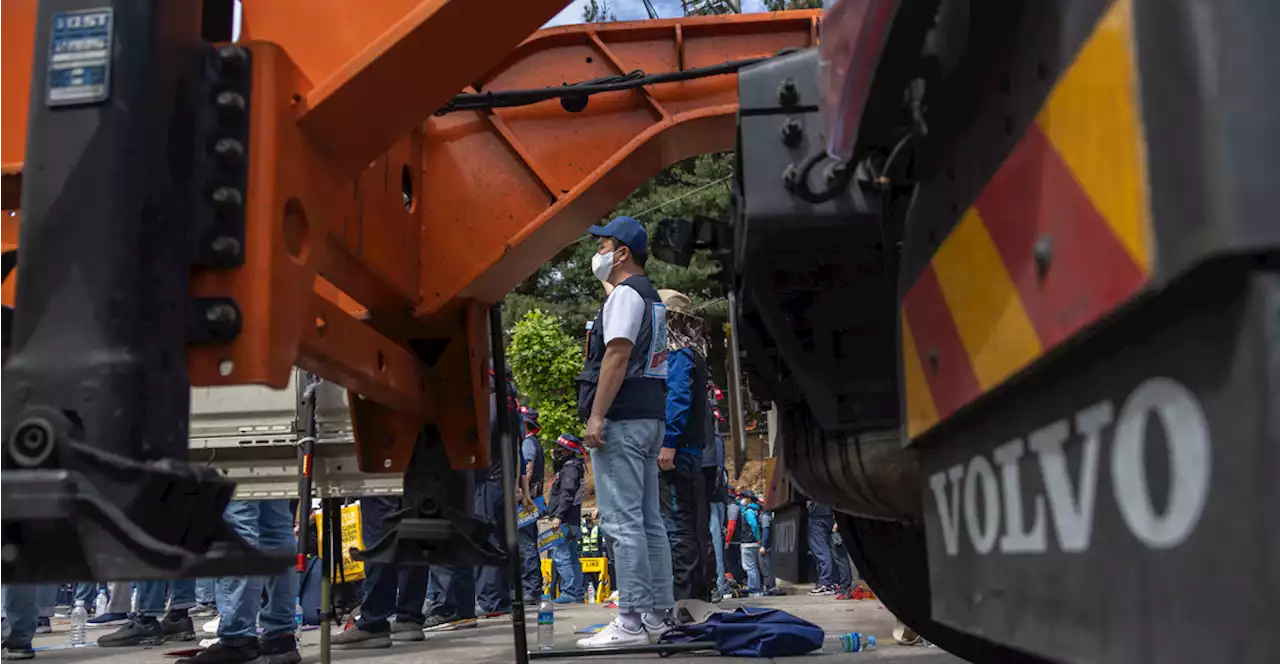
306,465
629,81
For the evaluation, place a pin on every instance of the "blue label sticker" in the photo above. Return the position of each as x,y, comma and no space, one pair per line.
80,58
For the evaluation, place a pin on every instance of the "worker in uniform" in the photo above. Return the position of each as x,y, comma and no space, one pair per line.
688,433
716,484
621,397
533,469
590,544
565,505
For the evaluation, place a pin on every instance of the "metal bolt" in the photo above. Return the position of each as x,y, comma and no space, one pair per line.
790,177
471,459
227,199
233,58
933,360
229,152
792,132
386,463
225,368
788,95
1043,253
221,313
834,172
31,443
231,105
225,247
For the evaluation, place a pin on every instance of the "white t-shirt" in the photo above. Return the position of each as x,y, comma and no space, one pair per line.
624,310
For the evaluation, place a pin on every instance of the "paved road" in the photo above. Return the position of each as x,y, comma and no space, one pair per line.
491,641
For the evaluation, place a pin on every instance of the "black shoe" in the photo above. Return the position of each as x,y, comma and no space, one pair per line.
177,626
279,649
142,631
13,651
227,651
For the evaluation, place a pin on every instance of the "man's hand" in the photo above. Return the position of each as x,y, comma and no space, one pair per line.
764,551
555,524
595,432
667,458
529,506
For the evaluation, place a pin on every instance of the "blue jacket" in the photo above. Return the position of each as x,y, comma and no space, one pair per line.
688,413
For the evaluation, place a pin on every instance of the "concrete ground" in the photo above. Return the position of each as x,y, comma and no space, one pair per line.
492,640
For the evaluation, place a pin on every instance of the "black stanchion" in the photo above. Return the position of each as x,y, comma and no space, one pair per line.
508,483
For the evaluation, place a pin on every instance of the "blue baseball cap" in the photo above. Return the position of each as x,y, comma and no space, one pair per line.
629,232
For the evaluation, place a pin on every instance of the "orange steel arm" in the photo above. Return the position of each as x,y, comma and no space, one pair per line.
377,235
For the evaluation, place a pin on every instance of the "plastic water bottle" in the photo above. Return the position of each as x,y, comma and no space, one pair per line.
546,624
591,592
100,604
857,642
79,625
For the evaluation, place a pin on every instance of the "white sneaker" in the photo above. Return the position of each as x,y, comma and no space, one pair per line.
615,635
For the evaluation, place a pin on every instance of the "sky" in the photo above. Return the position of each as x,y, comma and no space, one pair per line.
630,10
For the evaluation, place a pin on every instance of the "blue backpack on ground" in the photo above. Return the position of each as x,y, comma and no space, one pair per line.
752,632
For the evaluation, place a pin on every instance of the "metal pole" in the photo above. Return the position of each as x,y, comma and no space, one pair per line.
735,391
332,558
306,465
508,482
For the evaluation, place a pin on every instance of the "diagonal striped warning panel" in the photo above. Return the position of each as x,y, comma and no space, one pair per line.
1060,236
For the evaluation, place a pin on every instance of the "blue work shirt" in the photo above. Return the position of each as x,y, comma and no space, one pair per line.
680,395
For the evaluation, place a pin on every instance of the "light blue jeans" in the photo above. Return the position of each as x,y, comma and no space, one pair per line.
626,471
24,605
751,565
206,591
151,596
268,526
565,558
717,542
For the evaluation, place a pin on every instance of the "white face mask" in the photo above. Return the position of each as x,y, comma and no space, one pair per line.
602,265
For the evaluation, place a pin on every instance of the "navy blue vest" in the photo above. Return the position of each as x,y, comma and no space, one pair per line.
539,469
642,395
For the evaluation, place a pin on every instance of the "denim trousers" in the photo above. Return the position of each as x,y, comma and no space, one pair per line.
626,474
685,516
493,585
206,591
531,568
24,605
717,544
750,552
820,547
388,589
453,591
266,525
181,594
568,565
841,565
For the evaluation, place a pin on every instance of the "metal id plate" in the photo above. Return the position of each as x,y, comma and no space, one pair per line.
79,69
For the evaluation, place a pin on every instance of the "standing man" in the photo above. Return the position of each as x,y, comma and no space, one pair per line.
566,515
389,590
717,484
533,466
689,427
821,521
621,397
493,587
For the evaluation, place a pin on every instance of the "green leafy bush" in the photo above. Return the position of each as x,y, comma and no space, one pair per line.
546,362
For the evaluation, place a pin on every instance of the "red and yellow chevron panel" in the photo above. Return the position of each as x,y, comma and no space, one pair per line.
1060,236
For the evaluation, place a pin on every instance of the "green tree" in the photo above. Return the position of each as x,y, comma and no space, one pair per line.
783,5
545,362
598,11
565,288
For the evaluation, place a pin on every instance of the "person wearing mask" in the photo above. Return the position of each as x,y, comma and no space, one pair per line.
533,470
621,397
266,525
689,427
744,529
565,506
821,522
590,537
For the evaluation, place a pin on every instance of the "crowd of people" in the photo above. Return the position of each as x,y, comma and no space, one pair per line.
668,522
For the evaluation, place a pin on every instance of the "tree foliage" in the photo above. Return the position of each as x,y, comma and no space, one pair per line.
598,11
783,5
545,362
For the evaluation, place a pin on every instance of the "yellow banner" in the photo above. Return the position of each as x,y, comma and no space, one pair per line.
352,537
